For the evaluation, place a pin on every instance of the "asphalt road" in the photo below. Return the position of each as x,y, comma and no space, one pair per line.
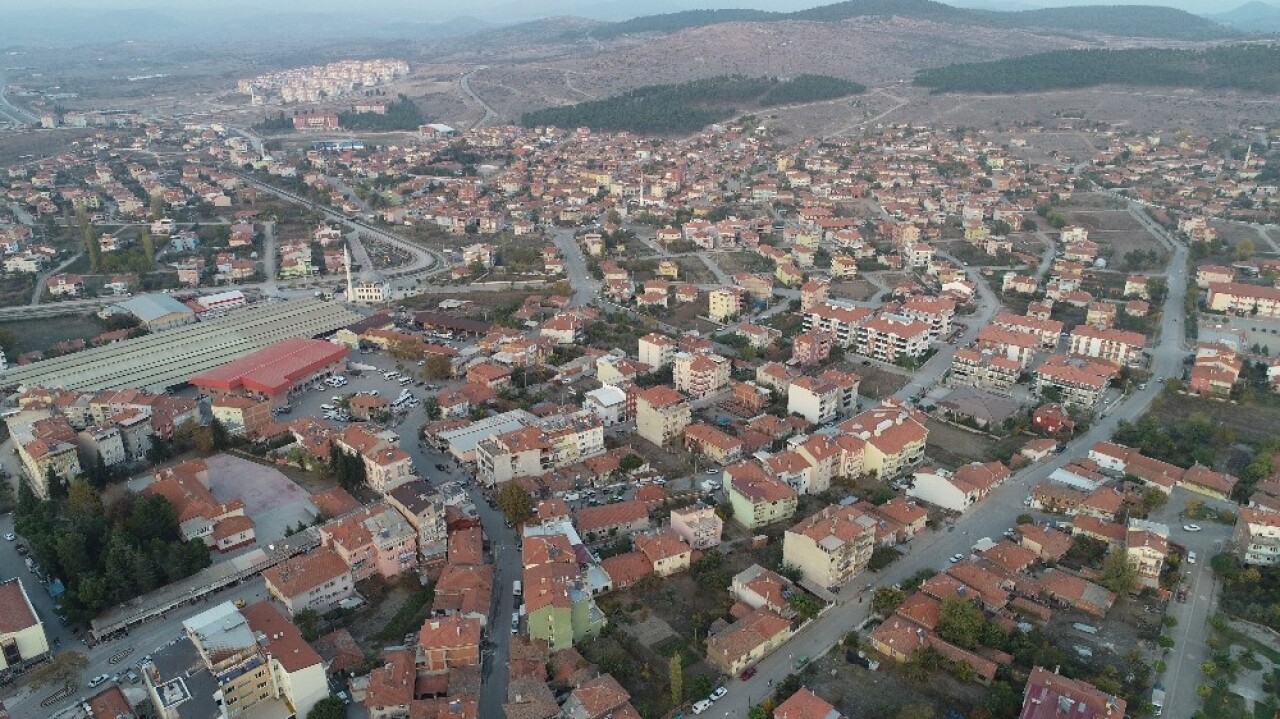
992,516
585,287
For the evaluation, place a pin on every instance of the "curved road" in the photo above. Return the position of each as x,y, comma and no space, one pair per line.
11,111
989,518
490,115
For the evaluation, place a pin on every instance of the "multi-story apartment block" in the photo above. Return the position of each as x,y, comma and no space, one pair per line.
758,499
1081,382
890,338
894,437
698,525
726,303
832,546
317,580
984,370
720,447
424,509
1251,300
374,540
937,312
657,350
700,375
1048,330
1257,537
253,662
525,452
824,398
810,348
1017,345
661,414
838,319
1119,347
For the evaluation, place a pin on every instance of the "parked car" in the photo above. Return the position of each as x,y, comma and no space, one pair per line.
747,673
1191,527
10,537
701,706
956,557
98,681
718,693
1191,557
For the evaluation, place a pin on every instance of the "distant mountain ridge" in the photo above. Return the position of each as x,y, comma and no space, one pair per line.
1253,16
1124,20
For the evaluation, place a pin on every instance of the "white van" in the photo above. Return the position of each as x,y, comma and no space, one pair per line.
516,588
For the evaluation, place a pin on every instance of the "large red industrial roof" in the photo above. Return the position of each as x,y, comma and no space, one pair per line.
273,369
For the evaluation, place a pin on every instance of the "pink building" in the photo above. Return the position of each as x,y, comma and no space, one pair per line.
375,540
698,526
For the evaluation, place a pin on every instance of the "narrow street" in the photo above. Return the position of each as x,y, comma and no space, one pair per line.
992,516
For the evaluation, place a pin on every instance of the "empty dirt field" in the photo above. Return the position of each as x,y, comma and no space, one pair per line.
1117,231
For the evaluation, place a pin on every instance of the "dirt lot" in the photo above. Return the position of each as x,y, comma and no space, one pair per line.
877,383
734,262
856,289
881,694
1233,233
480,301
694,270
951,446
1116,231
1250,422
42,334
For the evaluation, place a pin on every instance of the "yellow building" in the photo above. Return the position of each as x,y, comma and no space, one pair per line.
662,414
758,499
831,546
725,303
22,637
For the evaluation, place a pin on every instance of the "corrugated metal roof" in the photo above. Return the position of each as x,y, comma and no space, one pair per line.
159,361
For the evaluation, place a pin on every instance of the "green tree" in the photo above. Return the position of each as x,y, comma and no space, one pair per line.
515,503
328,708
960,622
887,599
8,341
90,238
1118,574
221,439
437,367
308,622
432,407
82,501
675,677
630,463
806,606
149,248
699,686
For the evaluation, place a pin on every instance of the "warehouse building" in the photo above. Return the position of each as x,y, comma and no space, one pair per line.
275,372
155,312
162,361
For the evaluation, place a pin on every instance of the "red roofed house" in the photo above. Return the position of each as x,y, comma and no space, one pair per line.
747,640
1051,696
449,642
665,551
317,580
804,704
610,520
222,526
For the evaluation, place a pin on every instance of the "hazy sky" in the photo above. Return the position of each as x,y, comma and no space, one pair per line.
450,8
